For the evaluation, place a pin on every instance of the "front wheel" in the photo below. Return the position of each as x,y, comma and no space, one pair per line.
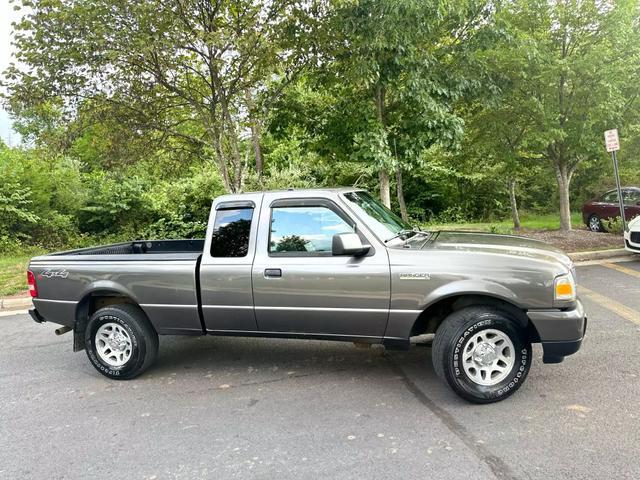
482,353
120,341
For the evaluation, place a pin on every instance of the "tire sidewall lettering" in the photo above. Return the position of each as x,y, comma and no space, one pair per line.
106,369
462,340
518,372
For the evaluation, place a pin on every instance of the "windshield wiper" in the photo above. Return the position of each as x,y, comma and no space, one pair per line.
405,232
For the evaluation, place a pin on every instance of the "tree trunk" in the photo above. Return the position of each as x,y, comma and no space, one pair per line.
514,204
563,177
385,196
217,142
400,193
255,133
232,139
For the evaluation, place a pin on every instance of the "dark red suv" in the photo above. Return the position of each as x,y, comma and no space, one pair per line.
606,207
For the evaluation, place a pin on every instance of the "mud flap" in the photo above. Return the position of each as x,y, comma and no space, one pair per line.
78,340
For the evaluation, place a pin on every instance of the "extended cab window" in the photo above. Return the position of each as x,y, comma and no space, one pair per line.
231,232
304,230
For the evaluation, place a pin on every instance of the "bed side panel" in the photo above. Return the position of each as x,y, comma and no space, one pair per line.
164,289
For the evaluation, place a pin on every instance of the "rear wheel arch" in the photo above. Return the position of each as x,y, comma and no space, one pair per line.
89,304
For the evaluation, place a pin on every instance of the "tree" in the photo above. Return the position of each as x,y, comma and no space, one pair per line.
565,78
290,243
399,67
186,69
498,136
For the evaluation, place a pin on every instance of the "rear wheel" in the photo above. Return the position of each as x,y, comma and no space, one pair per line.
482,354
120,341
595,224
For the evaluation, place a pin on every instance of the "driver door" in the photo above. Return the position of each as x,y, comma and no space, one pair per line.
299,287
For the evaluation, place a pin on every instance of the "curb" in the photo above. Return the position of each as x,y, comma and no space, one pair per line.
11,313
600,255
15,303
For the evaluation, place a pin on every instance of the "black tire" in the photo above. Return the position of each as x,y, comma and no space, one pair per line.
457,331
594,223
143,337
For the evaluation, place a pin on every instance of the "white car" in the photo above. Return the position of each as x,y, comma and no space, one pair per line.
632,237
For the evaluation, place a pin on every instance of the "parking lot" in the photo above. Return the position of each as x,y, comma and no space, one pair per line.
217,407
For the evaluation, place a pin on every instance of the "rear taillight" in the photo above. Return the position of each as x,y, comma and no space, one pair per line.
31,281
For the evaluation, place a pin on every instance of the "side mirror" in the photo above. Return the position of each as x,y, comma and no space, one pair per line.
348,244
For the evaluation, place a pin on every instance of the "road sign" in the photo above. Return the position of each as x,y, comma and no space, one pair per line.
612,143
611,140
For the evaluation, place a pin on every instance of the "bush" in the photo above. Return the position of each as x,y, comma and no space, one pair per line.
455,214
613,225
180,208
281,179
9,245
114,203
16,214
38,205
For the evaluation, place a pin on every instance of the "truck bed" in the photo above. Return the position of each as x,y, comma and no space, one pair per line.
187,249
159,275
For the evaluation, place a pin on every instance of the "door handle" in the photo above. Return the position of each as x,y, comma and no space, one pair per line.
272,273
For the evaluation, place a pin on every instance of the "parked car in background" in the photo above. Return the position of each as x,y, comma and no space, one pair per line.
632,237
606,208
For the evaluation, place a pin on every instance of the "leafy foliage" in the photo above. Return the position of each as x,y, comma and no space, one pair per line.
290,243
136,114
613,225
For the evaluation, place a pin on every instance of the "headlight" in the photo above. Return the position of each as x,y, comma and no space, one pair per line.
564,288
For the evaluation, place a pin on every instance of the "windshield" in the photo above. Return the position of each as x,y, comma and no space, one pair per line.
384,223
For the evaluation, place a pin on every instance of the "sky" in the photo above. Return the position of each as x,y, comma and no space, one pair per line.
7,15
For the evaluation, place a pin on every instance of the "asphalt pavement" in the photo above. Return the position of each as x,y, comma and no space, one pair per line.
219,407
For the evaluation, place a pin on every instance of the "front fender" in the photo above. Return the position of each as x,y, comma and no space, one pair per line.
410,303
469,287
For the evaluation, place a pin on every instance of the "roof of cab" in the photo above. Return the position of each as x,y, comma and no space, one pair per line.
304,190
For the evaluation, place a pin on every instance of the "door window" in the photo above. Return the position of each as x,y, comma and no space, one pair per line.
305,230
631,197
610,197
231,232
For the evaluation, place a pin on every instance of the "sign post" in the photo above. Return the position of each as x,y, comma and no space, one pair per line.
612,143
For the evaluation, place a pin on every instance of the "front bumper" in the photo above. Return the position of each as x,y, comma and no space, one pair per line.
560,331
632,247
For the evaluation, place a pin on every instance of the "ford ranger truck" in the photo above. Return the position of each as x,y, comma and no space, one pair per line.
329,264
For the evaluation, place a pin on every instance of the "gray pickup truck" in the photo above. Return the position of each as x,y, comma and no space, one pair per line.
330,264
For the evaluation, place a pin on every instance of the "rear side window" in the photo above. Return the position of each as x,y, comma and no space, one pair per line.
610,197
231,232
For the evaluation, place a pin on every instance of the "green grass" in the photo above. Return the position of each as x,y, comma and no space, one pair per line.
529,221
13,272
